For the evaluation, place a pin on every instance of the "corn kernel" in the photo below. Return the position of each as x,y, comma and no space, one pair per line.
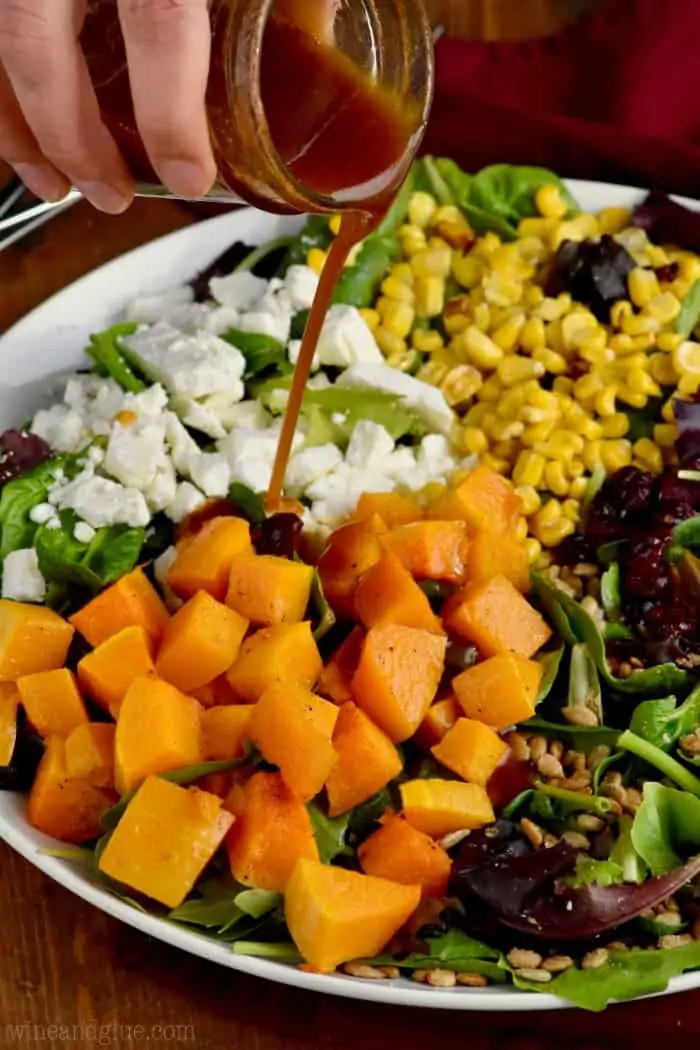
432,262
492,390
668,411
515,369
577,229
316,260
474,441
643,342
532,296
530,499
555,479
614,220
564,386
455,323
640,324
482,316
541,227
619,311
412,239
621,344
520,530
665,435
393,287
643,286
461,384
504,430
550,203
532,249
422,208
533,334
571,509
389,342
689,267
427,342
429,295
502,289
506,336
398,317
615,426
431,493
605,400
501,466
548,514
588,386
467,270
537,433
592,455
664,307
125,418
557,533
578,487
589,429
551,309
511,404
529,469
616,454
533,549
551,361
640,382
662,370
480,349
579,328
433,372
477,414
686,358
679,288
649,454
371,318
688,385
669,341
404,361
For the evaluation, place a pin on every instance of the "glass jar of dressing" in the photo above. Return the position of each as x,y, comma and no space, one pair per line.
306,113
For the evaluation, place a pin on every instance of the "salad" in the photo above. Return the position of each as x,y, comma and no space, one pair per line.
439,716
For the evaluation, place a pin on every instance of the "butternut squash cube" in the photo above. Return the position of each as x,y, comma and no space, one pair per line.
496,618
401,853
32,639
132,601
268,590
439,807
335,682
63,806
504,555
387,593
367,761
200,642
204,562
271,832
394,508
106,673
335,916
158,729
485,500
441,716
500,691
398,676
294,728
52,701
165,839
286,653
9,705
430,550
215,694
90,753
471,750
350,552
224,732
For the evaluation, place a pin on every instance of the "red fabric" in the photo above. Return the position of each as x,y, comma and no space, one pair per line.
616,97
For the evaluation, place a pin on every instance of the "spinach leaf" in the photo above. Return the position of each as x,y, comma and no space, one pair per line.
222,905
552,662
662,723
610,591
257,256
623,853
112,553
365,818
21,495
666,828
455,951
330,833
588,870
324,614
105,351
283,951
581,738
688,318
584,684
617,632
248,502
450,185
629,741
263,353
575,623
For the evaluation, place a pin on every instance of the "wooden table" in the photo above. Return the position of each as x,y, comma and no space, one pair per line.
70,977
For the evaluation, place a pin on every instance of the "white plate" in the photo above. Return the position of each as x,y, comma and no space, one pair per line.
49,341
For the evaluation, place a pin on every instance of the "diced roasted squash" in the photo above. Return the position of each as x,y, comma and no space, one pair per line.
165,839
130,602
287,653
401,853
387,593
485,500
398,676
200,642
471,750
215,694
496,618
367,760
500,691
394,508
271,832
335,916
106,673
224,732
9,705
294,728
441,716
65,807
490,555
32,639
52,701
336,677
158,729
268,590
430,550
349,553
439,807
204,562
90,753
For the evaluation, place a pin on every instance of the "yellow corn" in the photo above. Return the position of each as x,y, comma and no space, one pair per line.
649,454
588,386
555,534
404,360
619,311
502,289
640,324
662,370
657,256
397,317
614,220
578,488
448,213
533,334
669,341
550,203
520,530
429,293
551,361
389,342
394,288
548,514
578,229
503,430
664,307
552,309
640,382
478,414
432,262
467,270
316,259
461,384
689,385
412,239
421,209
507,450
474,441
665,435
480,349
689,267
555,479
537,433
615,426
371,319
482,316
491,390
511,404
621,344
605,400
542,228
433,371
563,385
532,249
514,369
571,508
530,499
616,454
643,286
533,548
403,272
501,466
427,342
506,335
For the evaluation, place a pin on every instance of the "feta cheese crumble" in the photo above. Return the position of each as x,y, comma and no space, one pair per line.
22,580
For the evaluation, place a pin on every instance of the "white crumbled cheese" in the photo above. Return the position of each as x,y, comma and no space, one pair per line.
335,495
101,502
61,428
307,466
197,415
21,577
276,324
240,291
42,513
293,351
83,532
180,442
400,464
255,474
54,523
277,400
247,443
148,309
149,402
135,453
211,473
346,339
161,492
427,401
370,445
186,501
95,455
250,414
436,457
163,565
193,366
301,283
220,320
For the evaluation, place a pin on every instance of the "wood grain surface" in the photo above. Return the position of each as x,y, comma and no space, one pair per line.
70,977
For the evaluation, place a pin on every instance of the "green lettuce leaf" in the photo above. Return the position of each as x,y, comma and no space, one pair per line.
662,723
666,828
688,318
455,951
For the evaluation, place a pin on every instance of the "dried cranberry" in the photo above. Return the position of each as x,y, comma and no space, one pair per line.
594,272
671,620
674,491
668,273
631,490
20,452
644,566
575,550
279,534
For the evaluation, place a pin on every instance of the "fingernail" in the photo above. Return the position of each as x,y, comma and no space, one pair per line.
43,181
104,197
184,178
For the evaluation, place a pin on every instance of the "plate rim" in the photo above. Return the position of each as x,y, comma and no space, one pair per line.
31,845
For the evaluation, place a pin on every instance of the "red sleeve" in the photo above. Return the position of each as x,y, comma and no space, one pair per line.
615,97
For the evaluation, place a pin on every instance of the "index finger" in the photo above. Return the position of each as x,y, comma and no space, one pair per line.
168,45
